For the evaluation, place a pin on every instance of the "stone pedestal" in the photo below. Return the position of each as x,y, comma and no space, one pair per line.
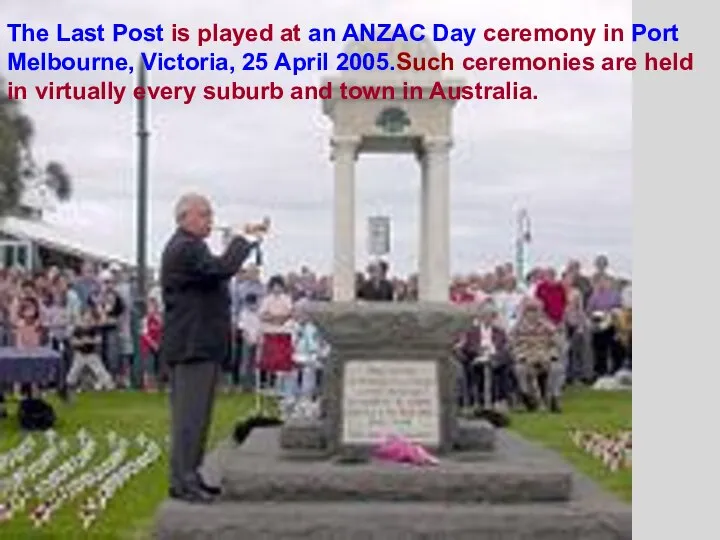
390,372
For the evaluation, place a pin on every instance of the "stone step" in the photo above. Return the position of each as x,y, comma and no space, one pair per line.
392,521
476,481
257,471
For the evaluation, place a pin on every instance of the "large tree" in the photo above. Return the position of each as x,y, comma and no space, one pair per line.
18,168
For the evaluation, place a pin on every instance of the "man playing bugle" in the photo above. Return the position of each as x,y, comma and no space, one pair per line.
196,335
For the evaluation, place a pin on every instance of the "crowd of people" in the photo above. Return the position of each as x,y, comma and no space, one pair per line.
538,335
532,337
84,316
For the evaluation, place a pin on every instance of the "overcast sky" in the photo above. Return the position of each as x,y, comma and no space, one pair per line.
566,157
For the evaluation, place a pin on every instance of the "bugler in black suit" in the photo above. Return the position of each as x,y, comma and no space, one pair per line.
196,297
196,336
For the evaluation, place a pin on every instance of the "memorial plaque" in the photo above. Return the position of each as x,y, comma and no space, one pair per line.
385,397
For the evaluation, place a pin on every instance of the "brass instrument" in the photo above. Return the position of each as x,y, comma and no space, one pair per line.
257,229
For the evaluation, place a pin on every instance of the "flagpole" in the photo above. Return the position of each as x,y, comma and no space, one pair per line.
141,292
142,192
522,242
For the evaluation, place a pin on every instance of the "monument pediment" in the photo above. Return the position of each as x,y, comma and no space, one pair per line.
368,118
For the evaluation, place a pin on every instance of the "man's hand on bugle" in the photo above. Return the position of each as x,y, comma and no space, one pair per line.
258,230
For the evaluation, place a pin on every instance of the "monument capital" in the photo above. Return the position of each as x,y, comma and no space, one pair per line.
437,144
345,145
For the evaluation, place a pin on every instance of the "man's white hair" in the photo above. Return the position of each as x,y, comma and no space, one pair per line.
186,203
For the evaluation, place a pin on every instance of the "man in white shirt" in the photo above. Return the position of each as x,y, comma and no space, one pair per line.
507,301
249,326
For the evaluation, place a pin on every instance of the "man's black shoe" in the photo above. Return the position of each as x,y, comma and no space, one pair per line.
191,495
210,490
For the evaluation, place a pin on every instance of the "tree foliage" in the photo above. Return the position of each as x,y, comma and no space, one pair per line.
18,168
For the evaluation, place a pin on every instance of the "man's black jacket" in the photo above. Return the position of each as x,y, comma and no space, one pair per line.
196,298
372,290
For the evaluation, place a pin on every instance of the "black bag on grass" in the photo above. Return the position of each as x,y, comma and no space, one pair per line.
36,415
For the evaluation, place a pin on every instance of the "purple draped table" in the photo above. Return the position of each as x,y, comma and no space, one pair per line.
35,365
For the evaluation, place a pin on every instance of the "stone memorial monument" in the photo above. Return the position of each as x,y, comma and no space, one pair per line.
390,372
422,127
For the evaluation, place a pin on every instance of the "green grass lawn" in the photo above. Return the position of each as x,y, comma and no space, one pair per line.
130,513
607,412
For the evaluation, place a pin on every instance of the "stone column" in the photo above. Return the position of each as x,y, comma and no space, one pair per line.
438,219
423,251
344,155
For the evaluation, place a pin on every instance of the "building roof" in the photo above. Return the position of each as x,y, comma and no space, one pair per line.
51,236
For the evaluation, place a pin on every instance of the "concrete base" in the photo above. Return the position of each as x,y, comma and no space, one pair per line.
518,492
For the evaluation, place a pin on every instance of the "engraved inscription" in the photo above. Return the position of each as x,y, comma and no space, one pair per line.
382,398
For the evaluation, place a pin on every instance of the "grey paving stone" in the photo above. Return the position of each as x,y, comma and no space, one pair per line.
391,521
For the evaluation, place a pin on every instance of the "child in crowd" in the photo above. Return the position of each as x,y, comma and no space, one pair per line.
249,327
309,350
28,331
153,373
86,342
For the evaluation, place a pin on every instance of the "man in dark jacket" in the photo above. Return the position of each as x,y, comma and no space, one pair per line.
377,287
196,335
